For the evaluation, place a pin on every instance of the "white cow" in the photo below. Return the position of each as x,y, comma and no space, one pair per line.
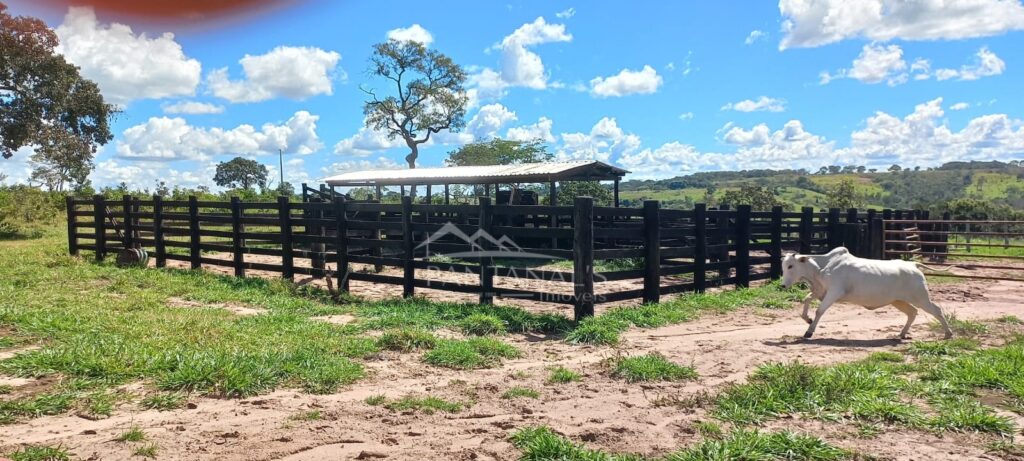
839,276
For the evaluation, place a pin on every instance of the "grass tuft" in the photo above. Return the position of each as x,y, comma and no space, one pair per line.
943,348
562,375
376,400
133,434
651,367
517,392
146,451
164,401
312,415
482,325
40,453
470,353
406,339
427,405
541,443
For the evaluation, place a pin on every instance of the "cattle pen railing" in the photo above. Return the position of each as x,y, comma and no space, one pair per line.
671,250
985,249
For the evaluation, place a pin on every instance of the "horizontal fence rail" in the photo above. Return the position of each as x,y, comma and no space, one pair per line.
954,243
480,247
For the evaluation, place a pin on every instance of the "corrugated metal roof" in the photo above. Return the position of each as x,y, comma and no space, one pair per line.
524,172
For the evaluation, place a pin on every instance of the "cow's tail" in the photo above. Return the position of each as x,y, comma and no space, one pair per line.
933,269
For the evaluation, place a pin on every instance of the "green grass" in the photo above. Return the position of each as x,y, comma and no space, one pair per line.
429,315
1010,320
312,415
146,451
520,392
562,375
651,367
376,400
427,405
133,434
406,339
164,401
470,353
40,453
942,348
963,328
482,325
884,391
543,444
709,429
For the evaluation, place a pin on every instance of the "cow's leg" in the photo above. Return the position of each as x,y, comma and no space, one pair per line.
911,312
830,298
807,307
928,306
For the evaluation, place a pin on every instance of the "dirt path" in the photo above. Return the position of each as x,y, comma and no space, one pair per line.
600,411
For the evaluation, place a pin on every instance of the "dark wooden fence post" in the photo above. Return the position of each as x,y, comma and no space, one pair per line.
341,242
583,257
100,216
700,249
236,237
126,222
652,255
806,229
835,231
851,216
723,239
69,204
743,246
775,266
284,217
319,259
158,231
486,264
195,253
408,271
876,237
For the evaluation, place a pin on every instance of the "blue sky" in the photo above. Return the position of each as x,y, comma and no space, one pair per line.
660,88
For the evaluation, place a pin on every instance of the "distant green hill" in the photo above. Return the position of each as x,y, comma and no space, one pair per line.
997,183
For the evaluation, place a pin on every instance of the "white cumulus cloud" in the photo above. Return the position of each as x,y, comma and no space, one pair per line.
810,23
126,66
286,71
540,130
605,139
959,106
627,82
986,64
519,65
763,103
192,107
165,138
413,33
566,14
754,36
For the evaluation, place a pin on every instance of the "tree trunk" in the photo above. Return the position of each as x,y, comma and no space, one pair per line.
411,159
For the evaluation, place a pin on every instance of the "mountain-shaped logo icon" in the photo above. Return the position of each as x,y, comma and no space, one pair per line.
481,244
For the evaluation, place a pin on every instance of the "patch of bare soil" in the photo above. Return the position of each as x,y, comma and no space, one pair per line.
237,309
600,411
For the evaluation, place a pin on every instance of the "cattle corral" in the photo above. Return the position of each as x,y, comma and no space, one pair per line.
726,336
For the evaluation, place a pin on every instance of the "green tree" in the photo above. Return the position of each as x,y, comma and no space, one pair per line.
499,152
568,191
46,103
758,197
241,173
844,195
429,94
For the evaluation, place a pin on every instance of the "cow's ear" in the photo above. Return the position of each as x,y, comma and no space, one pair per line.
802,259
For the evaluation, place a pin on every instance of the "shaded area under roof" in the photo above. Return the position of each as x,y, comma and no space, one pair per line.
586,170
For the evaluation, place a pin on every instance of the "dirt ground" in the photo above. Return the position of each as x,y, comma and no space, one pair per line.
600,411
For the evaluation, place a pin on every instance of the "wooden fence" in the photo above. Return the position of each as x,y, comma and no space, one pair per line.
673,250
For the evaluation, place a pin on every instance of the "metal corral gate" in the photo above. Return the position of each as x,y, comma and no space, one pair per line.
995,249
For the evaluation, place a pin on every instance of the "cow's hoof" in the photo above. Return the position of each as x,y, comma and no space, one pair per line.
808,320
808,335
948,336
905,337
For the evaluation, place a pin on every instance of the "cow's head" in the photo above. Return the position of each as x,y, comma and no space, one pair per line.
795,268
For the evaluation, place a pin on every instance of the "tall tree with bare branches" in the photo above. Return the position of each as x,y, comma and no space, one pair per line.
428,94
